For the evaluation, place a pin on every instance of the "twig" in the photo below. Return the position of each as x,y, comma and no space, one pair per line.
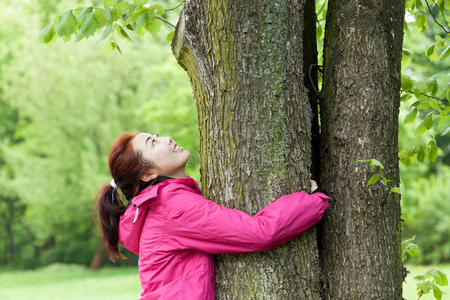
440,11
429,9
175,7
426,95
165,21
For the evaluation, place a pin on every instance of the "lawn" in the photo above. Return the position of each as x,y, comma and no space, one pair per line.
74,282
70,282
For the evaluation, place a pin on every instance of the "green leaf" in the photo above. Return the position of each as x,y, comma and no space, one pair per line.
407,83
419,4
141,20
432,53
157,9
405,97
107,14
432,87
433,152
406,52
374,162
373,179
395,190
100,17
108,49
420,154
429,121
411,116
83,13
106,31
47,34
116,46
437,292
443,281
122,32
66,24
414,251
109,3
120,6
445,53
153,26
421,128
420,21
88,27
419,277
169,36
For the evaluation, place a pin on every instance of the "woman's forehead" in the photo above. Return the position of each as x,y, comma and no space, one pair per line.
141,137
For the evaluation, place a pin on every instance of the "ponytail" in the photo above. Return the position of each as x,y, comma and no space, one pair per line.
110,208
126,171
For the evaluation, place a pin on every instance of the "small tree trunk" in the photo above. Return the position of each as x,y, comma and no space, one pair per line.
97,260
360,245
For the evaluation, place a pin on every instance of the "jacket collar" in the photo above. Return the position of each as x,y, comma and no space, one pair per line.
152,190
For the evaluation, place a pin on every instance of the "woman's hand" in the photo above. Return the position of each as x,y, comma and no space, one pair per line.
313,185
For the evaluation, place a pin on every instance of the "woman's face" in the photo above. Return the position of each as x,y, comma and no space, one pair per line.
161,152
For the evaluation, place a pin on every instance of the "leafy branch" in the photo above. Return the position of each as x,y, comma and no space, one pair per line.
379,175
117,17
434,18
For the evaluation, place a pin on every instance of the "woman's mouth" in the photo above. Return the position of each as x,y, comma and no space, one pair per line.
176,148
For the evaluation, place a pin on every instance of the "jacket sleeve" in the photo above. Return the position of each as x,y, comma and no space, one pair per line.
194,222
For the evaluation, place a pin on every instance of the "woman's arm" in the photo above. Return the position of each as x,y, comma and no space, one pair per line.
194,222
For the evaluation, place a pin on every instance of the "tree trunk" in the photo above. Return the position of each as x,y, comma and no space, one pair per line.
360,243
246,65
97,260
9,223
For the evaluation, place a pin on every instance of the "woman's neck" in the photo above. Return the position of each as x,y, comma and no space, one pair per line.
180,173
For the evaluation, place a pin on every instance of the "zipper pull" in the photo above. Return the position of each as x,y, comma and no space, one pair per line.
136,215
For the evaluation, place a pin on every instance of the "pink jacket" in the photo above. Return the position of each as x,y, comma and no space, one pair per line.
175,231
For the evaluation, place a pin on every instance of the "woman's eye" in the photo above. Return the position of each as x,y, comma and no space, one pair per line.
153,141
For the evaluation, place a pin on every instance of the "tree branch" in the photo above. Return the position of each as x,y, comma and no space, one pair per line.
165,21
442,12
426,95
175,7
429,9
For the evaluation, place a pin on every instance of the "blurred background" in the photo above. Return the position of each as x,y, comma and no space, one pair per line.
62,106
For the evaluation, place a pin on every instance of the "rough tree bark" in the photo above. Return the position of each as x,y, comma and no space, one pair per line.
246,65
360,244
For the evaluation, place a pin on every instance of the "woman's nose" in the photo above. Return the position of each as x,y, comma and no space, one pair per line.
169,140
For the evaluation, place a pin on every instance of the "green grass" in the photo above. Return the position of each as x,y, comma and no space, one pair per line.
69,282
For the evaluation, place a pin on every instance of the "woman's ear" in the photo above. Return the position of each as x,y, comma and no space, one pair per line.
149,175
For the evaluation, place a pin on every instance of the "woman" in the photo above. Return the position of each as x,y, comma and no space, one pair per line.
174,229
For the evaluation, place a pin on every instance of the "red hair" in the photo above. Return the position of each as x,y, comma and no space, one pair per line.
126,170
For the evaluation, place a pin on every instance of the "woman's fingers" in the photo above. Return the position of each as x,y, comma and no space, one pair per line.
313,185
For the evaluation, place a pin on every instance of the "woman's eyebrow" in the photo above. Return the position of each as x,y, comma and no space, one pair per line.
146,141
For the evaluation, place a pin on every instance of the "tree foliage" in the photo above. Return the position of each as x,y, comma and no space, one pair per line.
62,107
